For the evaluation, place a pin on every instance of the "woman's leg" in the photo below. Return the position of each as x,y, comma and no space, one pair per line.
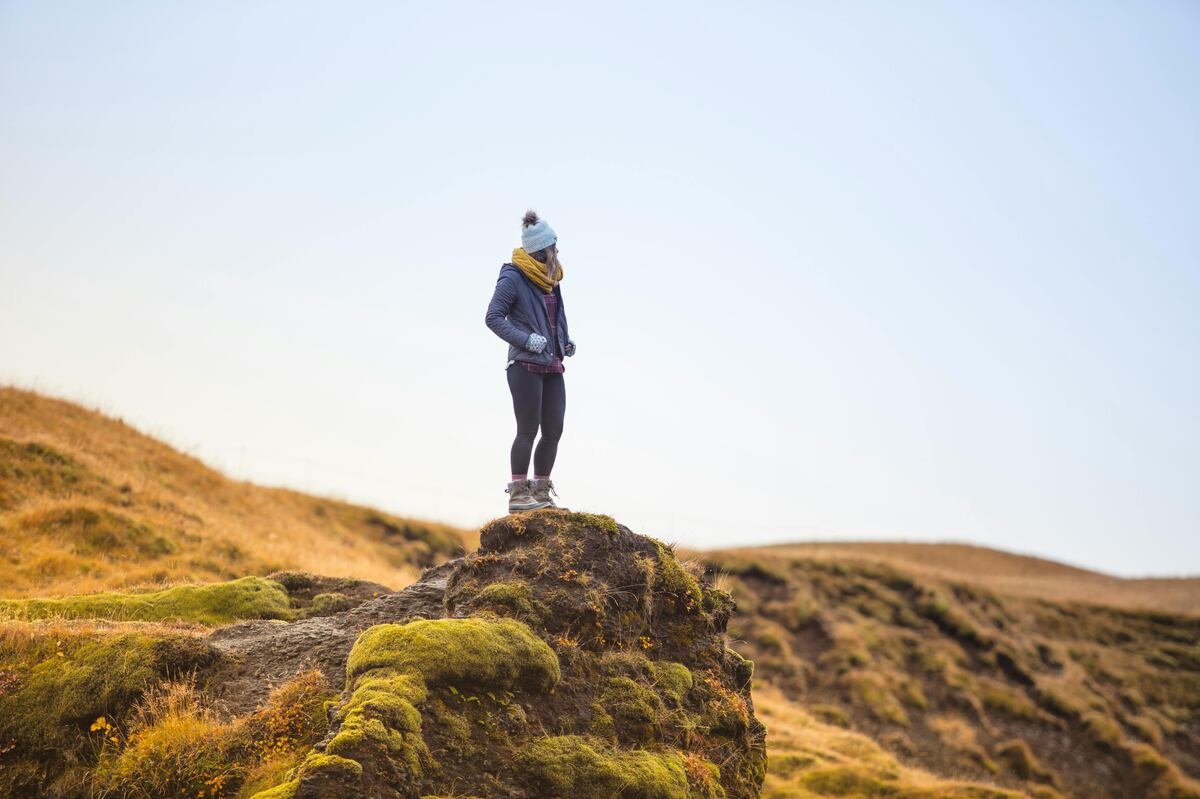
526,388
554,408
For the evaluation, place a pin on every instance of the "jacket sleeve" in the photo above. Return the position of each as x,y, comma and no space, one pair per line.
503,299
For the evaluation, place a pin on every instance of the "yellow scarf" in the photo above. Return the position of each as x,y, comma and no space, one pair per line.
535,270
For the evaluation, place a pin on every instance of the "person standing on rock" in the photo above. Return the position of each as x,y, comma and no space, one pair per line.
526,310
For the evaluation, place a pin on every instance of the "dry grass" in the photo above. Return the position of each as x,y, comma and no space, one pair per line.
1002,572
88,503
1103,701
808,758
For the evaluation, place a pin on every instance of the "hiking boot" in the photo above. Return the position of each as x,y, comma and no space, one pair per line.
541,490
520,496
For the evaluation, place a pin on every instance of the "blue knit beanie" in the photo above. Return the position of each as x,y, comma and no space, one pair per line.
537,235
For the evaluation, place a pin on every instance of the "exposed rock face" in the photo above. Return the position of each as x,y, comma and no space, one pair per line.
568,656
260,654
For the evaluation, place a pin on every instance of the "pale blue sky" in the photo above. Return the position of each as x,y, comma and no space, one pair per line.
923,271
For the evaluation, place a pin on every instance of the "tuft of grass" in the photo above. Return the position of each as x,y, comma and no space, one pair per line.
63,680
177,746
871,690
1021,760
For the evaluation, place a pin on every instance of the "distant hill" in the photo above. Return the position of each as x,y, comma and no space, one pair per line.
89,503
911,645
1003,572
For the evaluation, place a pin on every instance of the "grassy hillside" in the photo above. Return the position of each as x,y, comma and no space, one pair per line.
88,503
1049,697
1005,573
909,671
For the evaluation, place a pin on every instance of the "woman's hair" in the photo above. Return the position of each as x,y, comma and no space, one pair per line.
547,255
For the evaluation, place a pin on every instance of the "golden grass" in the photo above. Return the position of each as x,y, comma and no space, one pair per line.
1002,572
968,682
163,517
808,758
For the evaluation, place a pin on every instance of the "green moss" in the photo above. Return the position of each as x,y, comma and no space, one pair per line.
213,603
585,768
718,601
515,595
326,604
330,763
389,672
473,651
673,679
602,724
599,521
285,791
671,578
634,708
743,668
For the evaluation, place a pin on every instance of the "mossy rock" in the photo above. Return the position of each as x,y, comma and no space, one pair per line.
212,603
673,679
390,672
515,596
634,708
575,657
477,651
587,768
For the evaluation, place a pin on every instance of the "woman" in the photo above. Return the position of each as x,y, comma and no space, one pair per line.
526,310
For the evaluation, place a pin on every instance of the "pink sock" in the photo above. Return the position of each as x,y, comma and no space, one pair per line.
541,477
517,477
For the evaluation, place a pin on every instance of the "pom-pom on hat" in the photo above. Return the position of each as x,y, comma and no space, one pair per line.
537,234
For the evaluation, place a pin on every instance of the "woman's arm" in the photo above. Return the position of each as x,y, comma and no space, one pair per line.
503,299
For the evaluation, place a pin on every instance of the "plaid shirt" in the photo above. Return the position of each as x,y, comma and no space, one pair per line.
556,365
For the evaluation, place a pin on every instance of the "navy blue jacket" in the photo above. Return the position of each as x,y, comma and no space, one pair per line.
517,309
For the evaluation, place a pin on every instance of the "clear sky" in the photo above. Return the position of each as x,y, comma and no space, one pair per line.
921,271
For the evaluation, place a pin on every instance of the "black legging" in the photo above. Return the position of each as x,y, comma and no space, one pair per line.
538,399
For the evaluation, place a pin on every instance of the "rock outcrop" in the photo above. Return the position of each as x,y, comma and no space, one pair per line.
567,656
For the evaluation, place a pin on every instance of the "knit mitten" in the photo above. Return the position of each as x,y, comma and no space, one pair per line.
570,348
536,342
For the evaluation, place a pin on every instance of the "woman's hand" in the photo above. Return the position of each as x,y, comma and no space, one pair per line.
536,342
570,350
